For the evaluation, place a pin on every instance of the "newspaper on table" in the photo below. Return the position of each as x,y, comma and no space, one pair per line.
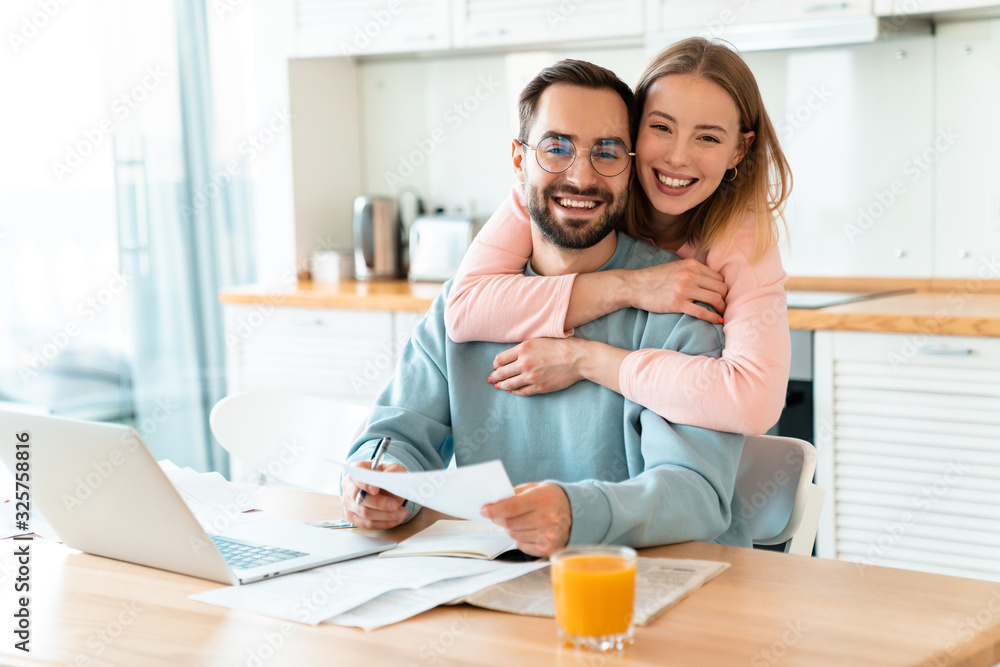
660,583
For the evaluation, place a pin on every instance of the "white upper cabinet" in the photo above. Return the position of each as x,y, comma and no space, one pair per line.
485,23
967,188
715,15
856,124
368,27
908,7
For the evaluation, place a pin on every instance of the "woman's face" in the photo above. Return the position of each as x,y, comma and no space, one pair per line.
689,135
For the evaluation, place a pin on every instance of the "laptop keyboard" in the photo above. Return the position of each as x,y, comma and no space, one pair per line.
245,555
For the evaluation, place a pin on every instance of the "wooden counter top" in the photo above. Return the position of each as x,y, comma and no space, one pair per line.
963,307
928,313
347,295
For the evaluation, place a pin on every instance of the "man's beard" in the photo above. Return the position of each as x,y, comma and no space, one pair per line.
572,233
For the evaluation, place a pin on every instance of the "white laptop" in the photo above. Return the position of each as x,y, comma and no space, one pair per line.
103,493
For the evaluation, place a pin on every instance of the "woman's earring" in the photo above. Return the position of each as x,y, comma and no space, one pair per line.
728,180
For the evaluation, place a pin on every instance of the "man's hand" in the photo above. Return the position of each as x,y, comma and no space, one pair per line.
538,517
379,510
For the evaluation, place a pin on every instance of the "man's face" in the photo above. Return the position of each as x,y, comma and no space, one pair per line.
578,207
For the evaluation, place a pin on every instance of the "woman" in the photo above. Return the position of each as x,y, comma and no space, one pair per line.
713,183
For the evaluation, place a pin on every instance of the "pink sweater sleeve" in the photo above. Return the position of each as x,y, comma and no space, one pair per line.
744,391
491,299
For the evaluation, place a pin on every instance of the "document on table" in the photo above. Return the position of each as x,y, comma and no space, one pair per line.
396,606
36,523
459,491
316,595
208,495
660,583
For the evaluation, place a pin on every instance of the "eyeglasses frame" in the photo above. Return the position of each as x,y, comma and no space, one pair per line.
576,152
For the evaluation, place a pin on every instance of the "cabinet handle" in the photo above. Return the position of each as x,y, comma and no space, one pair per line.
957,352
825,7
491,32
305,321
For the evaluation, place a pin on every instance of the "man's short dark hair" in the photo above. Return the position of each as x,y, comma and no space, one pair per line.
575,73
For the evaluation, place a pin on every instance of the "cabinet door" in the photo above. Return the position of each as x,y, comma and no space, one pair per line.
856,124
908,432
345,354
967,188
715,15
363,27
510,22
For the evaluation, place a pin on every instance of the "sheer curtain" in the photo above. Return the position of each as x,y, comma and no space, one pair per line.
121,221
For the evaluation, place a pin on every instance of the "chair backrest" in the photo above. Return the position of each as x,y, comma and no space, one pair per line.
287,436
780,502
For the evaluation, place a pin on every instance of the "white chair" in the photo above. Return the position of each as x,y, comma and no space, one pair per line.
780,501
288,437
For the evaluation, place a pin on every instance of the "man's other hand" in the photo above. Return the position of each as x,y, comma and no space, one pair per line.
538,517
379,509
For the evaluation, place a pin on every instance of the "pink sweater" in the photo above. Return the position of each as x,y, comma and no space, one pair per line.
743,392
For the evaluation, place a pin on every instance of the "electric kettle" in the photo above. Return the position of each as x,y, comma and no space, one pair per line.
377,238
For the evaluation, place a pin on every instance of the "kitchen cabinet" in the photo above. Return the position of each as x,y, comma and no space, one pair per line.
368,27
908,437
484,23
911,7
715,15
342,354
860,135
967,190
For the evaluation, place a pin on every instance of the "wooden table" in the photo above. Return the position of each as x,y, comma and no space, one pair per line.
767,609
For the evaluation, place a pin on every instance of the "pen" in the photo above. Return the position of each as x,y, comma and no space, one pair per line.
377,457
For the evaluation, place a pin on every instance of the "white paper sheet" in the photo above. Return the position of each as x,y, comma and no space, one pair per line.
204,492
36,523
399,605
318,594
459,492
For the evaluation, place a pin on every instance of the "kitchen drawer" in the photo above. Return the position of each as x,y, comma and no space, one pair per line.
901,351
348,354
345,354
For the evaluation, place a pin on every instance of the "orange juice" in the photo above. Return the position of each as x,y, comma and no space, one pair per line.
594,592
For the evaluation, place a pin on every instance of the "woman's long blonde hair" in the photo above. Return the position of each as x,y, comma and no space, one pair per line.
763,181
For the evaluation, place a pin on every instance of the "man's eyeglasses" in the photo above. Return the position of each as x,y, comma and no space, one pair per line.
555,155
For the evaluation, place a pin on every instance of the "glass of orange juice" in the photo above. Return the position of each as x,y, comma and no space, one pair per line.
594,590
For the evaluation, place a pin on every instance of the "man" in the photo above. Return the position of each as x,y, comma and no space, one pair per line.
612,471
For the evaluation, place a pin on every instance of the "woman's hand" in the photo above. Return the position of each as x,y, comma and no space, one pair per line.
673,287
538,366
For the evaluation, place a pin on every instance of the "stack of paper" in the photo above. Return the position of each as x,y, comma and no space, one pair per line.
36,523
366,592
209,495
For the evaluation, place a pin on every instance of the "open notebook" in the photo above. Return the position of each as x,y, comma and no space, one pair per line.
463,539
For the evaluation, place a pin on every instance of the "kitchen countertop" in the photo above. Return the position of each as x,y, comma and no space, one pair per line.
961,307
349,294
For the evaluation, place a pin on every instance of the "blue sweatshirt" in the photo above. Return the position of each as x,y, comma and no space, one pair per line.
632,478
